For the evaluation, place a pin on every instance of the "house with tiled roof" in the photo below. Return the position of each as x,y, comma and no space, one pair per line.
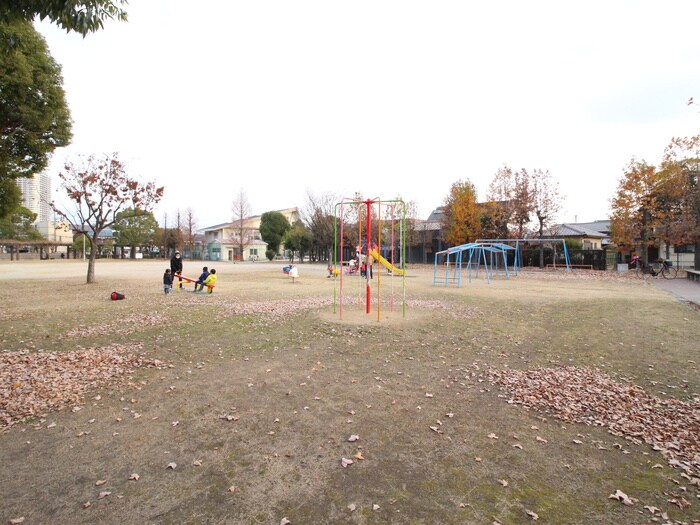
593,235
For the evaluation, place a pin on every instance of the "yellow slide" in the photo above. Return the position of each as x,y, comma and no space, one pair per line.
393,269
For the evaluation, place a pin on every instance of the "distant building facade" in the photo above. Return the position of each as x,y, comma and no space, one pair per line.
222,242
592,235
36,195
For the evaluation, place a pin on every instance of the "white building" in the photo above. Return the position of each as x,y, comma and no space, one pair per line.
222,241
36,195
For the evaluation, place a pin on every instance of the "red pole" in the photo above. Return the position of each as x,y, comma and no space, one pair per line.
379,245
341,260
393,209
369,239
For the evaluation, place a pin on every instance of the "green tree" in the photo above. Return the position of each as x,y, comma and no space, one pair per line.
100,189
19,225
10,196
273,226
461,222
298,239
80,244
34,116
135,230
72,15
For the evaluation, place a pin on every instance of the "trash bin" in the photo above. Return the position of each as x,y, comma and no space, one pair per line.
622,268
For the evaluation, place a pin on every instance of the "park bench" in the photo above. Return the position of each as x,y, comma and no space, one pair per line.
693,275
586,266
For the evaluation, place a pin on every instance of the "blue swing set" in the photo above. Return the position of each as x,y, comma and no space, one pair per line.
486,253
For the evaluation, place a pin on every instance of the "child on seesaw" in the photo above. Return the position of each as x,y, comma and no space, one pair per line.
210,281
202,278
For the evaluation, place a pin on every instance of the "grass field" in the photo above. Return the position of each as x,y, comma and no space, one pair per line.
253,393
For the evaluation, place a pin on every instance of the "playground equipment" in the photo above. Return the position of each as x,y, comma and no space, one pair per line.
518,249
210,288
292,271
366,211
389,266
489,254
478,254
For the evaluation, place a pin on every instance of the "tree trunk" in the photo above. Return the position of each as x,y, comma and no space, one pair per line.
644,237
91,260
541,232
697,223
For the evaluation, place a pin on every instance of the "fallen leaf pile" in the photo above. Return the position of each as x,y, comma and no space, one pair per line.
33,383
125,326
588,396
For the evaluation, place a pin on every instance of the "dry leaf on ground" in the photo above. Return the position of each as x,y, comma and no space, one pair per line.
622,497
533,515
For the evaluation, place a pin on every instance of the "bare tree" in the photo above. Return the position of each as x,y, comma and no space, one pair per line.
172,236
179,227
164,237
410,216
546,203
318,216
190,228
100,189
241,211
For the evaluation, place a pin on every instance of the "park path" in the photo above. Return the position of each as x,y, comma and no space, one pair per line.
684,289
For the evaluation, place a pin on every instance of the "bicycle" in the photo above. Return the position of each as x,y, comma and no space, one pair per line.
660,267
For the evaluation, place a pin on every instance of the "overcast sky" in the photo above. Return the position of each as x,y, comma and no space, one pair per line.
386,98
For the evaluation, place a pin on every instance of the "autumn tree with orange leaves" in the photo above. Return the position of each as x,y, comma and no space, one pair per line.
461,218
681,167
640,207
99,189
497,211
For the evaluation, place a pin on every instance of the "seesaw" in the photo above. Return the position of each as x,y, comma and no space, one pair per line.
210,289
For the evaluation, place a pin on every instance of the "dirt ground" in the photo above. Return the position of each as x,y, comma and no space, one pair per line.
258,404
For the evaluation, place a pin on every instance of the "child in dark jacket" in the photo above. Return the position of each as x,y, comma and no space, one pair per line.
167,281
210,281
202,278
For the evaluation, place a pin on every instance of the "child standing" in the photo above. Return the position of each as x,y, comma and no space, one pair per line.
202,278
210,281
167,281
